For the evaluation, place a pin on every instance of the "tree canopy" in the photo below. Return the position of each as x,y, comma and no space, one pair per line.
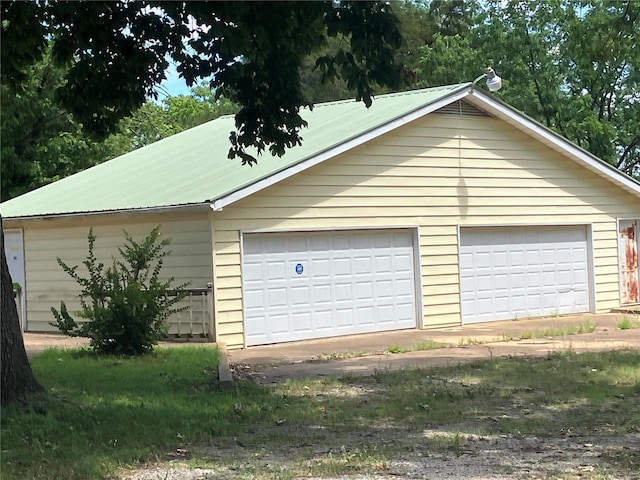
573,65
41,142
117,52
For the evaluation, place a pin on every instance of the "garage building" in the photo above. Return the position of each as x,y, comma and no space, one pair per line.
433,208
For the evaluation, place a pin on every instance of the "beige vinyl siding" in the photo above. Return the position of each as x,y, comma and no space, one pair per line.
437,173
45,240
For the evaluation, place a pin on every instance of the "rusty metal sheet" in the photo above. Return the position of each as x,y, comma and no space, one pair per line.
628,241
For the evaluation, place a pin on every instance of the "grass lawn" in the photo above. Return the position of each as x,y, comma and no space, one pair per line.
107,416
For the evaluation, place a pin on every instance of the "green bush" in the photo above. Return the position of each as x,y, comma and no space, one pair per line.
125,306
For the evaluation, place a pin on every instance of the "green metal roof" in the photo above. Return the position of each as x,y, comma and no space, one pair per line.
192,167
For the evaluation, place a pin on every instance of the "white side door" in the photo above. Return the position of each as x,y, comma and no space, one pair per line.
14,249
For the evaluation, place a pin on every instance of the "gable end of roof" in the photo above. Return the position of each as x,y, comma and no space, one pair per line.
553,140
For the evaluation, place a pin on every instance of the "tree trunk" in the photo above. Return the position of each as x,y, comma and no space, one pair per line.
17,377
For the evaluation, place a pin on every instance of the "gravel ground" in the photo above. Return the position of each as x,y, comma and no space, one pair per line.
479,457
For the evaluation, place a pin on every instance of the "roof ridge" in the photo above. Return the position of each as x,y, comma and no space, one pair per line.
416,91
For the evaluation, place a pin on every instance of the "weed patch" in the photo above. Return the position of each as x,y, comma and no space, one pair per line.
582,327
627,323
464,342
420,346
325,357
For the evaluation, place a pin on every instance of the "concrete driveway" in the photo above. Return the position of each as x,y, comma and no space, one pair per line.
364,354
35,343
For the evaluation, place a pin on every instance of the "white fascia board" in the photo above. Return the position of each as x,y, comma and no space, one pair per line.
222,202
187,208
555,141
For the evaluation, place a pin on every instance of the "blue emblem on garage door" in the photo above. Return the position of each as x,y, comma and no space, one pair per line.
299,269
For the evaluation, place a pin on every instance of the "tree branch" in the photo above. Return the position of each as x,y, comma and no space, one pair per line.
627,150
534,73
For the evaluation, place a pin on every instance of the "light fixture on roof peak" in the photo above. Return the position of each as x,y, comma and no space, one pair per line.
494,82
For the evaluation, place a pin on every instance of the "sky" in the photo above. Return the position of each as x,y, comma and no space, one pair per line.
173,85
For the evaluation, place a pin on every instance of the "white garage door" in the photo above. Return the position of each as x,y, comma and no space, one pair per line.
310,285
516,272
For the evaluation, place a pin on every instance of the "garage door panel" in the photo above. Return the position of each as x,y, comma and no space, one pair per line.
502,281
484,305
580,297
321,293
385,314
466,285
277,297
580,277
550,301
344,319
351,282
321,268
300,295
465,259
577,254
279,324
253,299
273,245
382,240
405,311
343,292
566,277
517,281
362,242
323,320
551,279
383,264
500,259
275,270
384,289
533,280
551,256
403,287
253,269
297,245
532,257
483,260
342,266
403,263
364,291
545,272
365,316
319,244
362,265
516,258
519,302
